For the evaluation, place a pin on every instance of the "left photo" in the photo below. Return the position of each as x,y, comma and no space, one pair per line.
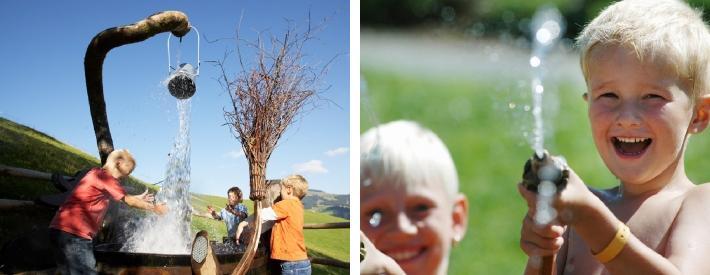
182,138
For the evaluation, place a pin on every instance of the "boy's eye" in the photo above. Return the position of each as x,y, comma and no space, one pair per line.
374,218
653,96
420,211
608,95
421,207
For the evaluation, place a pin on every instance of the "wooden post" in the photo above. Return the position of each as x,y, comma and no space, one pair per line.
173,21
246,260
332,225
25,173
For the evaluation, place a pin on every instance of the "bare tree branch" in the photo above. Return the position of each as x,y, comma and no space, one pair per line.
267,96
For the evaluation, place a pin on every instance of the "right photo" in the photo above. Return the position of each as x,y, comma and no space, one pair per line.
534,137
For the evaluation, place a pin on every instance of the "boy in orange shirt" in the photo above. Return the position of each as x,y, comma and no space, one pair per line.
288,246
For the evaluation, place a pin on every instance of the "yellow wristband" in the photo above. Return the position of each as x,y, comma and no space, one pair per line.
616,245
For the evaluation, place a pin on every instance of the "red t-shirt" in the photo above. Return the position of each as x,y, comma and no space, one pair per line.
287,242
83,211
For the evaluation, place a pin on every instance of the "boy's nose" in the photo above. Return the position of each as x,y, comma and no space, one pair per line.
628,117
405,225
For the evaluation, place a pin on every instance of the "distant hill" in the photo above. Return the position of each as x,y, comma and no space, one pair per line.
333,204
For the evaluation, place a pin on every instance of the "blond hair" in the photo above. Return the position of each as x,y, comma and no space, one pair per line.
667,30
298,183
122,155
405,153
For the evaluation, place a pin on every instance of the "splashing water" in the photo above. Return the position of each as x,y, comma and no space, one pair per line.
547,26
170,233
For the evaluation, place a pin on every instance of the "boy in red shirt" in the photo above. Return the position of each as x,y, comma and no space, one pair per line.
78,219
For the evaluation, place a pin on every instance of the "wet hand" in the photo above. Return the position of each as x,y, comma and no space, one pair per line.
160,208
146,197
541,240
376,262
564,204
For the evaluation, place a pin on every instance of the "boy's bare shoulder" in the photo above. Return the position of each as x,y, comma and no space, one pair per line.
698,196
695,204
690,229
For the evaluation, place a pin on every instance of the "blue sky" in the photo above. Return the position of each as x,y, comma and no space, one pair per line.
42,85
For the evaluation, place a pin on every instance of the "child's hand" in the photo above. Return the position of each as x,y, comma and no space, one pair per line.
540,240
566,203
376,262
210,209
160,208
147,197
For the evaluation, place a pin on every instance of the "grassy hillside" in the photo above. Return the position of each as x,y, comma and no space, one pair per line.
24,147
332,204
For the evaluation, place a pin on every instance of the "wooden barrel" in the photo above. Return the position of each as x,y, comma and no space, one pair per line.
112,261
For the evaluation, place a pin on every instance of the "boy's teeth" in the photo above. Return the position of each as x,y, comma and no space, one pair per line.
631,140
403,255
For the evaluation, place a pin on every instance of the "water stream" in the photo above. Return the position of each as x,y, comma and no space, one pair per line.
547,27
170,233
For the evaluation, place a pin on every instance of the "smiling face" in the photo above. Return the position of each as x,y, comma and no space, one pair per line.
640,113
232,198
415,225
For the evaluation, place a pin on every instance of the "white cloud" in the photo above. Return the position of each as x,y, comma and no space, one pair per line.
235,154
312,166
337,151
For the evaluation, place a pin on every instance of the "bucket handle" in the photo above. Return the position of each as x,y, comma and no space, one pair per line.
198,52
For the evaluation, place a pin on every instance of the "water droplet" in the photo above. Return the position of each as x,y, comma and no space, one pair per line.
366,182
526,108
375,219
553,28
534,61
511,105
543,36
539,89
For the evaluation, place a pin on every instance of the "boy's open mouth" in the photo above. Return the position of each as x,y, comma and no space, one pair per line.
631,146
404,255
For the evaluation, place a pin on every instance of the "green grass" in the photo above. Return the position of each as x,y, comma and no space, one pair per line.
24,147
485,136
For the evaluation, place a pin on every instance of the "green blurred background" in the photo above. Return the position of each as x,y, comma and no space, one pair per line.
461,69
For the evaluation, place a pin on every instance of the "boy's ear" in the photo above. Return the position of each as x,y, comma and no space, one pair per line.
459,215
702,115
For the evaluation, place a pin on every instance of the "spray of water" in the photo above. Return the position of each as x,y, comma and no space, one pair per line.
170,233
547,26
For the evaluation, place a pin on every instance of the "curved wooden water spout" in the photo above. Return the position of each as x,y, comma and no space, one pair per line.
172,21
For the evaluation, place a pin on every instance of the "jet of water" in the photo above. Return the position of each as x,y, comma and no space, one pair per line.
547,26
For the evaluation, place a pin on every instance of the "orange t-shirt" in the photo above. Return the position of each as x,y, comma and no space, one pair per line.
83,211
287,243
